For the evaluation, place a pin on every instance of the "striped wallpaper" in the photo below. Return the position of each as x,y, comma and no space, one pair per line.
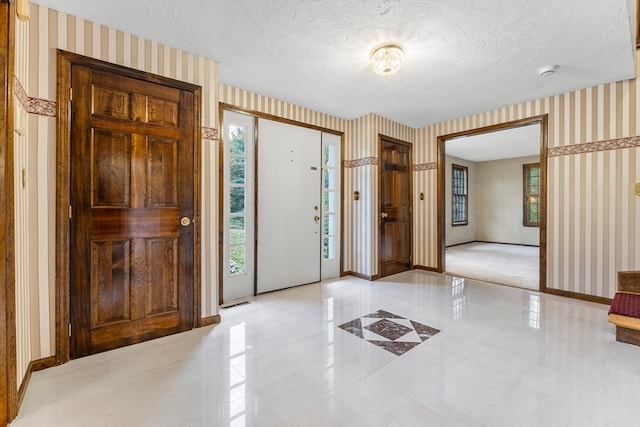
26,273
361,174
593,217
264,104
36,44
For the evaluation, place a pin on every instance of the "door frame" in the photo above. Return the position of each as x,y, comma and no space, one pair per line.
542,120
260,115
65,60
381,138
8,369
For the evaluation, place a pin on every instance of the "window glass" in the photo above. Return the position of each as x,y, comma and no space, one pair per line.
531,195
459,197
237,199
237,140
236,259
328,200
237,230
236,170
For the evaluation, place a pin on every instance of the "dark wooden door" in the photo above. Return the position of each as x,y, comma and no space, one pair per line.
395,207
132,183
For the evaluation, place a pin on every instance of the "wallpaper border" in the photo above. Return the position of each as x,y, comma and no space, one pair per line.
365,161
591,147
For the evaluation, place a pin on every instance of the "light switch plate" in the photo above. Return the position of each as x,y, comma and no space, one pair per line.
637,188
20,120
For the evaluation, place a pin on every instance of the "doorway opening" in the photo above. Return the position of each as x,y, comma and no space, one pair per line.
492,203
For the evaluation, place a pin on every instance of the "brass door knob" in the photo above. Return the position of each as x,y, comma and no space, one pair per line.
185,221
316,218
384,214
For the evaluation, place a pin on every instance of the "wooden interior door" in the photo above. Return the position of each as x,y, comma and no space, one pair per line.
395,207
132,205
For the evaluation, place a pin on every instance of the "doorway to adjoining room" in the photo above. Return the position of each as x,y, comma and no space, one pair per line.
493,192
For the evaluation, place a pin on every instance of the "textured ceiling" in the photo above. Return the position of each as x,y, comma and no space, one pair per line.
462,56
502,144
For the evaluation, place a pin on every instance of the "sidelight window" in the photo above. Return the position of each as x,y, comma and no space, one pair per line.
237,200
328,200
459,196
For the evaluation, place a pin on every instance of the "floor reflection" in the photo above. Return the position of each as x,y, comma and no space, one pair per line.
458,297
237,376
534,311
330,370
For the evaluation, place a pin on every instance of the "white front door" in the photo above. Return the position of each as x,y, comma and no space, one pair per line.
289,205
238,205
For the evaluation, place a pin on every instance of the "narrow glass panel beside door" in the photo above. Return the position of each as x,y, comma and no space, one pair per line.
238,243
330,206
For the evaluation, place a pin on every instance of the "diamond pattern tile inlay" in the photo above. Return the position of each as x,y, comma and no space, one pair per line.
394,333
388,329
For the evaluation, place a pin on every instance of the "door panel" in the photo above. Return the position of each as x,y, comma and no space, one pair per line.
132,179
289,198
395,207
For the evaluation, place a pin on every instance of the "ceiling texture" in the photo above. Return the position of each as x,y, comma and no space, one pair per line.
497,145
462,56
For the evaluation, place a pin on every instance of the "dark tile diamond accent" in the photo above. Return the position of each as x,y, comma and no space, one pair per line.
354,327
424,332
388,329
381,314
396,347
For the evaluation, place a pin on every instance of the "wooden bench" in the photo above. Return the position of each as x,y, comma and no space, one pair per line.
625,308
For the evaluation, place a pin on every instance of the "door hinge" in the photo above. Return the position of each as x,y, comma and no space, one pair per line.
70,212
70,94
69,329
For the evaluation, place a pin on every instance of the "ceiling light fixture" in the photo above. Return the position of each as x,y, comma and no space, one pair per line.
386,59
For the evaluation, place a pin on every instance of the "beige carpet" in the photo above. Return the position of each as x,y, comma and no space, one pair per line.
493,262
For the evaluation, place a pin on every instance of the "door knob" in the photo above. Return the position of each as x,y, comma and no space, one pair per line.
316,218
384,214
185,221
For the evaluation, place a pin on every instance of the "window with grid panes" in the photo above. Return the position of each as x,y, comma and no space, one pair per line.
531,193
237,192
459,197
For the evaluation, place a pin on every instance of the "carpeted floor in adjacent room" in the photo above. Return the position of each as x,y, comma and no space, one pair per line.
512,265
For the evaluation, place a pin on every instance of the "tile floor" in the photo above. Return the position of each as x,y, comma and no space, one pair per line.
502,357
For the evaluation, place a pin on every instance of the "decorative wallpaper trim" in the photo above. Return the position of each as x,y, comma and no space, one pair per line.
360,162
45,107
42,107
38,106
210,133
590,147
425,166
20,93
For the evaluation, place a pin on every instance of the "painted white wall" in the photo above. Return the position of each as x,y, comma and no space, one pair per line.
460,233
498,208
